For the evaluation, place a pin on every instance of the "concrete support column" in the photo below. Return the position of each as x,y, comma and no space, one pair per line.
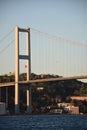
29,104
16,70
29,99
6,97
0,94
16,99
28,54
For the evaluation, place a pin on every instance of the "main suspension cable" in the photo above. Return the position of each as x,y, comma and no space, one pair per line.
6,46
60,38
1,40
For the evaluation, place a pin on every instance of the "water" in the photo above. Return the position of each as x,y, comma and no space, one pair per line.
44,122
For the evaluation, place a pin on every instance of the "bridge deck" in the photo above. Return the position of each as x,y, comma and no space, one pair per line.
43,80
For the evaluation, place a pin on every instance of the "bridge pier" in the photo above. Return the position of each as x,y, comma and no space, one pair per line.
6,97
0,94
29,101
16,98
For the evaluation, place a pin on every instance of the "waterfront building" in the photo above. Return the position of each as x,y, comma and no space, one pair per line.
72,109
81,98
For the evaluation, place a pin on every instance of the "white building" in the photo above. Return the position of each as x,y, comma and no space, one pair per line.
72,109
64,104
69,107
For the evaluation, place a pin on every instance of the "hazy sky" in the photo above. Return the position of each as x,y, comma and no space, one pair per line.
63,18
66,18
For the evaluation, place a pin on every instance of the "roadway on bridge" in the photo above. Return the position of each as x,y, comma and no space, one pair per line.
43,80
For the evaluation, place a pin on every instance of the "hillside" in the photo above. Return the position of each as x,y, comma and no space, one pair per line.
51,92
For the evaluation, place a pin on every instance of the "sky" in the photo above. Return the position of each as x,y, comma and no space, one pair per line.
66,18
63,18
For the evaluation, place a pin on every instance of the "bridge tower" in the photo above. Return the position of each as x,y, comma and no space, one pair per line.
17,67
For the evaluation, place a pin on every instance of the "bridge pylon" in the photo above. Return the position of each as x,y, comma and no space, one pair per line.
18,56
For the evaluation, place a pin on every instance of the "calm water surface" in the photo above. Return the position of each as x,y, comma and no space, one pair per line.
44,122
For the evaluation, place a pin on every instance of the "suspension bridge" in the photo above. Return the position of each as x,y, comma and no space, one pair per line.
42,54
